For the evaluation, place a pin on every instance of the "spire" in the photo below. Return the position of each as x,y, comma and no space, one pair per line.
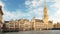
45,3
45,8
45,15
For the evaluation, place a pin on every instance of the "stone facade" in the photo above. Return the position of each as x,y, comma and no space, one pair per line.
25,24
57,25
34,24
1,14
38,24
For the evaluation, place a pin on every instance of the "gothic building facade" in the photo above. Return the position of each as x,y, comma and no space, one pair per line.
38,24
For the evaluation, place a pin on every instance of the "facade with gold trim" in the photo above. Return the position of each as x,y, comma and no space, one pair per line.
24,24
34,24
38,24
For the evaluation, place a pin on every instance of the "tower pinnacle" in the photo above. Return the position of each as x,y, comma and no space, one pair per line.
45,15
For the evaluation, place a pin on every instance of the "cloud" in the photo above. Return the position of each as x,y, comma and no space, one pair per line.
35,8
56,15
8,15
33,3
57,4
1,3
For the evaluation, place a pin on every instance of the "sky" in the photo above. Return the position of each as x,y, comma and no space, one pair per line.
27,9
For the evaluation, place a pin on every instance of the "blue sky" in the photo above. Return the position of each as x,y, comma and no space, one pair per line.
17,9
